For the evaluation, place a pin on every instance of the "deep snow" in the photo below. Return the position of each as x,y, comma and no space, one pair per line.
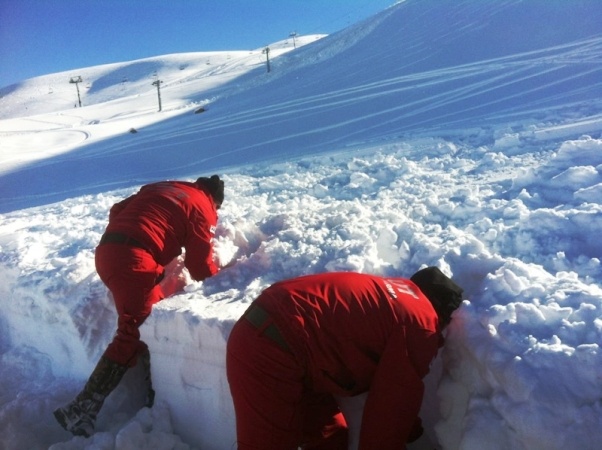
460,134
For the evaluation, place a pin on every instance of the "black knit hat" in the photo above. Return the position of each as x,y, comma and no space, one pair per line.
215,186
442,292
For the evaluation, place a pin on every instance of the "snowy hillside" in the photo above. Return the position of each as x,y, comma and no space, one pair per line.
416,69
460,134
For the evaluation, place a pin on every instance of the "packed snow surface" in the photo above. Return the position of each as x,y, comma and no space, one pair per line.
460,134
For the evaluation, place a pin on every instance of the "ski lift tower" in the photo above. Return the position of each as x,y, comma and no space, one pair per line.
158,84
266,52
294,35
76,81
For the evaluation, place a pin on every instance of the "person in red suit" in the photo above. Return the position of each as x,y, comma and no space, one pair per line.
306,341
145,232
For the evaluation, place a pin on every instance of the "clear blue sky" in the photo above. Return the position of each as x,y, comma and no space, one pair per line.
38,37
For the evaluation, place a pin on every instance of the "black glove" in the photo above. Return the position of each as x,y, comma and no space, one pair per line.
416,432
216,188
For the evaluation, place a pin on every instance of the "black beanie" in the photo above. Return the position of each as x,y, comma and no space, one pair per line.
215,186
442,292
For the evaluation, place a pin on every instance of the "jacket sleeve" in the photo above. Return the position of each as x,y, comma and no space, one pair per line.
396,391
199,247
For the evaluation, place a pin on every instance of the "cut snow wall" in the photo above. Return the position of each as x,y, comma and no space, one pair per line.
188,364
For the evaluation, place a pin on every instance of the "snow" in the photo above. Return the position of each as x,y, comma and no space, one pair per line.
459,134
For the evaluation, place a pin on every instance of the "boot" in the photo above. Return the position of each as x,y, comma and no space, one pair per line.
146,367
79,416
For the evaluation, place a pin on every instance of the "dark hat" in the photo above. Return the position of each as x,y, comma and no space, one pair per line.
215,186
442,292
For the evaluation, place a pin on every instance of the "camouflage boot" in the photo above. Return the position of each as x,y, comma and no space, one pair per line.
79,416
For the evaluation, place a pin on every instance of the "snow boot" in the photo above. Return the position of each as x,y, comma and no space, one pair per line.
146,367
79,416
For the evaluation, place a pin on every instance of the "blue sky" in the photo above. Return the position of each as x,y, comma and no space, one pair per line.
38,37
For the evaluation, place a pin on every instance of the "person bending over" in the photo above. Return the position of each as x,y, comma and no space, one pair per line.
306,341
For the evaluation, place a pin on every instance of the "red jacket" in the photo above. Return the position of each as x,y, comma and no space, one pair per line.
167,216
356,333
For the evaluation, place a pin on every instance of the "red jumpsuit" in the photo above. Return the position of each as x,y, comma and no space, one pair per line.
344,334
157,221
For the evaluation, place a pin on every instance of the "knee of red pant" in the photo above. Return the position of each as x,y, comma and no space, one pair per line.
126,345
129,324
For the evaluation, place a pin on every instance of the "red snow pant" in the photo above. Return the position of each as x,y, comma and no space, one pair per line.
274,409
131,274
